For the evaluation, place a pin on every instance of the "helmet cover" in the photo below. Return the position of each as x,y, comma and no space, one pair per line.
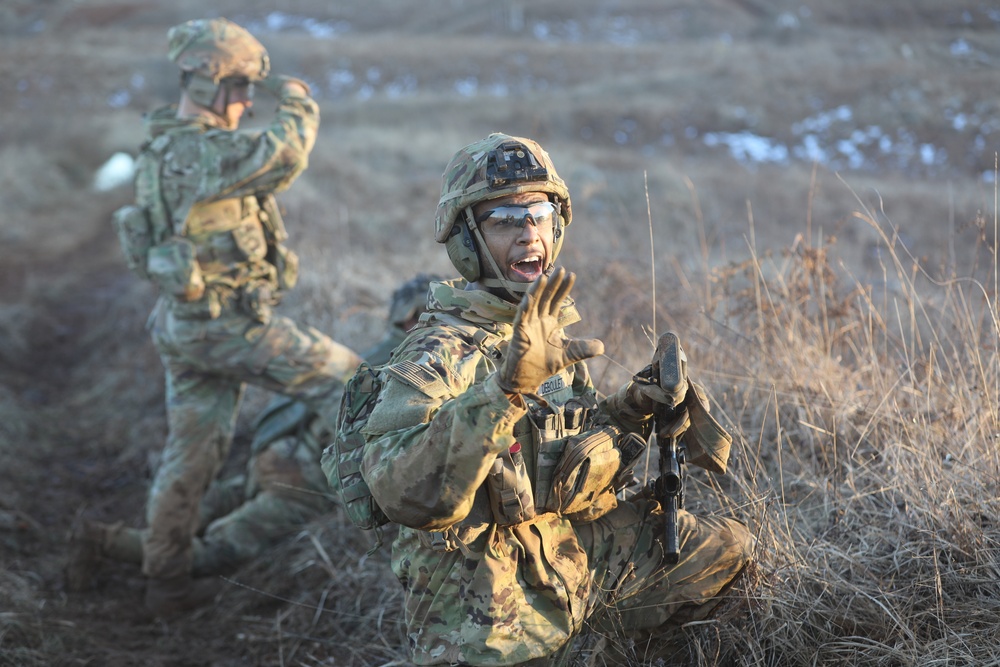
409,300
217,49
496,166
493,167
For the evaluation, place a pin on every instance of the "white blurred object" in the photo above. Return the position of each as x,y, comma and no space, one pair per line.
118,170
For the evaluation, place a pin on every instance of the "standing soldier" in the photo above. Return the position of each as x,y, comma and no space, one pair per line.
490,449
207,232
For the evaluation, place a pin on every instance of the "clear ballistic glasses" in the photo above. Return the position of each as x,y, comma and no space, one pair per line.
509,221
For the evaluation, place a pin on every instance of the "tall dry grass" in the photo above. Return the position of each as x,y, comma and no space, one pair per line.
867,453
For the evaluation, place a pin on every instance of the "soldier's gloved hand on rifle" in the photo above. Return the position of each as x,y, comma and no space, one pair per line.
538,349
646,396
281,85
642,396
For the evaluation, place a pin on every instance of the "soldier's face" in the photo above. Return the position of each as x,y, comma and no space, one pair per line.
519,232
232,101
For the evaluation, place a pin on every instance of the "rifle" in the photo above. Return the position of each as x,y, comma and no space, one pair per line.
670,425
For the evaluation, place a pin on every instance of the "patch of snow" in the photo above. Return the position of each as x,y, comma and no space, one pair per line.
118,170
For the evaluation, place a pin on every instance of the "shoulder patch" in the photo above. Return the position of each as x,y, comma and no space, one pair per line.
445,351
419,377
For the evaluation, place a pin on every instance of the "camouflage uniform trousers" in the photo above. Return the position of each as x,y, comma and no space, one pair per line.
637,598
242,516
207,364
636,595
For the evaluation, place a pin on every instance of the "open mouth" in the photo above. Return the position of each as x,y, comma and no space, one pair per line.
527,269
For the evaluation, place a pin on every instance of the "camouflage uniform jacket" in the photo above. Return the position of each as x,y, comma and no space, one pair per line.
476,592
214,187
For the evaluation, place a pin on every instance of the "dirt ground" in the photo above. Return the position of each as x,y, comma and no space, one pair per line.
751,122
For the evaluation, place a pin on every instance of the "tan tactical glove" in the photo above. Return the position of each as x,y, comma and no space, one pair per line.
538,349
280,85
645,395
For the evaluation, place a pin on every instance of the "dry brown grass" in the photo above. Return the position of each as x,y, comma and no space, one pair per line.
868,459
861,382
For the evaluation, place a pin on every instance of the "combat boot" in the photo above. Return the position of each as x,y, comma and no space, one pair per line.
170,597
86,551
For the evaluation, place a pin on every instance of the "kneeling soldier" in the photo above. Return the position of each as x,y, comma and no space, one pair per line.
490,449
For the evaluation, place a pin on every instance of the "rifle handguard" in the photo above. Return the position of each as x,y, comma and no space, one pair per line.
671,365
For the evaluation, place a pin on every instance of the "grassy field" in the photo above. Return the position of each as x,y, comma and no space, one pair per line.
806,192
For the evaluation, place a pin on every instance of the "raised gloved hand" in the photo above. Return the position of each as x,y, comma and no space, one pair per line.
538,350
275,84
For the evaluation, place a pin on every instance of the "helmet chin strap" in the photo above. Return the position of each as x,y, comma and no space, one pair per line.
514,289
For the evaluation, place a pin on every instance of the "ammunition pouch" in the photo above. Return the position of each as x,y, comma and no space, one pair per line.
234,233
586,471
173,268
509,488
135,234
221,250
549,429
257,298
208,307
249,240
206,218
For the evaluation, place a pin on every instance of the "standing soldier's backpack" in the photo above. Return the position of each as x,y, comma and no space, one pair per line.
341,460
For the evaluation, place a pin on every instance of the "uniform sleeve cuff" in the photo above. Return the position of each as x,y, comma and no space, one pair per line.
505,413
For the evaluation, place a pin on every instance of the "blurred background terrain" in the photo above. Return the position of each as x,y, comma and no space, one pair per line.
781,158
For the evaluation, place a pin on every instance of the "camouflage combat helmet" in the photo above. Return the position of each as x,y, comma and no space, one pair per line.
212,52
410,299
493,167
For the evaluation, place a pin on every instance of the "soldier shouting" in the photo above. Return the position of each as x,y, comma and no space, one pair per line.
489,447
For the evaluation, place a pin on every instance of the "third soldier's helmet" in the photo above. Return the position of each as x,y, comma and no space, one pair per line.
211,52
408,302
493,167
